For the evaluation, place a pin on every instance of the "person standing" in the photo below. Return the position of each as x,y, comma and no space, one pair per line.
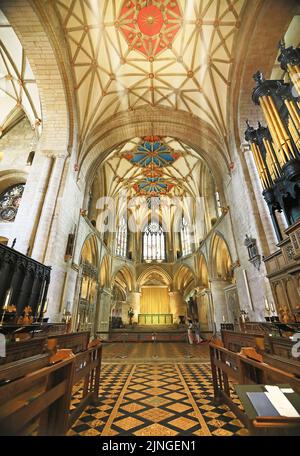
190,332
198,338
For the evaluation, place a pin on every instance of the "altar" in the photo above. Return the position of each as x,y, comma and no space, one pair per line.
155,306
155,319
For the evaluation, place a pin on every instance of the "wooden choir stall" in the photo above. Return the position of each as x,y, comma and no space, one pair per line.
47,374
247,361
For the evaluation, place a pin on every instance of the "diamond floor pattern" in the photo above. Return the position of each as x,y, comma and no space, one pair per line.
161,399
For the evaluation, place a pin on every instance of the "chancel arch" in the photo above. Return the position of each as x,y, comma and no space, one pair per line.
154,285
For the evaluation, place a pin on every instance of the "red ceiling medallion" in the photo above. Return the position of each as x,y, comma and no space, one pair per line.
150,27
150,20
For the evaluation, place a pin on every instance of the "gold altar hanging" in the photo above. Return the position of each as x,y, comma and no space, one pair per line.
155,300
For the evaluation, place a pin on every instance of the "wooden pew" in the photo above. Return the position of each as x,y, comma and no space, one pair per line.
37,397
280,346
23,349
77,342
236,368
87,372
15,351
235,340
275,350
37,403
22,367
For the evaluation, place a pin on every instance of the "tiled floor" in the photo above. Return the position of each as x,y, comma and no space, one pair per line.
159,399
134,353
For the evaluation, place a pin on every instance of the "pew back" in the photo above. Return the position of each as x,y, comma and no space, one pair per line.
236,368
38,399
37,403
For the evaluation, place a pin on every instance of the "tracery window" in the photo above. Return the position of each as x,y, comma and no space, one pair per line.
121,238
154,242
10,201
185,238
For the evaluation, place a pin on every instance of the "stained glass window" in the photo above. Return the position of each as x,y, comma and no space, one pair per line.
121,238
10,201
154,242
185,238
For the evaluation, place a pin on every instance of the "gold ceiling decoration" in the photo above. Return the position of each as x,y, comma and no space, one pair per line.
174,54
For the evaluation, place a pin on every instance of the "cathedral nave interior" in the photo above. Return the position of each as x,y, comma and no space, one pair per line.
149,217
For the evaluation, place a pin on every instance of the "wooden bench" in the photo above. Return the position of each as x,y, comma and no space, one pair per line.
36,398
77,342
86,371
23,349
280,346
228,366
235,340
37,403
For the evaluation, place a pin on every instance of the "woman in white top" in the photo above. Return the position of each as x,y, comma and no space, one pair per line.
190,332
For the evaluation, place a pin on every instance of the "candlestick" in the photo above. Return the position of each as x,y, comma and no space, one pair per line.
6,303
267,307
41,298
46,306
273,307
7,298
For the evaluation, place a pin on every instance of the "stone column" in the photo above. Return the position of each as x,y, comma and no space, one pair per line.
104,302
219,301
134,301
29,211
203,298
178,305
43,230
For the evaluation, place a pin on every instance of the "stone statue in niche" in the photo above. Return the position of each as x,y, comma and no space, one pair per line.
254,256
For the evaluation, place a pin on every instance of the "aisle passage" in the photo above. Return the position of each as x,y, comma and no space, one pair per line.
136,353
166,399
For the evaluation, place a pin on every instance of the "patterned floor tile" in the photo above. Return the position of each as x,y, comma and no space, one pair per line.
156,415
156,430
128,423
157,399
183,423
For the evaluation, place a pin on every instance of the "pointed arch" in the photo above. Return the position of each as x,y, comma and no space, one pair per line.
220,258
154,273
202,271
105,272
184,279
89,251
124,279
